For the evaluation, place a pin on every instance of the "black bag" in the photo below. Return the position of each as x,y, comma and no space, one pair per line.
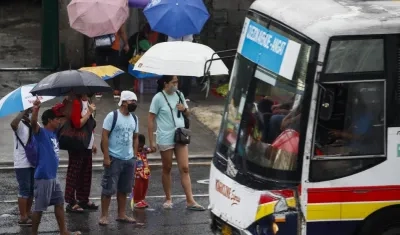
187,120
75,139
104,41
182,135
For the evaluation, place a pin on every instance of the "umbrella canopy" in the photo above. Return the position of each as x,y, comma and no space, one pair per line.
97,17
138,3
181,59
104,72
78,82
176,18
20,99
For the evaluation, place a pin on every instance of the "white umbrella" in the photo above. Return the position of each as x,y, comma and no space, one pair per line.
181,59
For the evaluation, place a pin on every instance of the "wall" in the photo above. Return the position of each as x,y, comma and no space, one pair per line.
71,41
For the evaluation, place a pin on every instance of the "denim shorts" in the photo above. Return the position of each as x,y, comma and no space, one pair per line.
119,177
25,178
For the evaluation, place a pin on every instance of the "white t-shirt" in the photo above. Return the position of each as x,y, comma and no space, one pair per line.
20,160
85,109
187,38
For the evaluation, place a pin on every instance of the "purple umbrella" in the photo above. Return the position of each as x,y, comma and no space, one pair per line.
138,3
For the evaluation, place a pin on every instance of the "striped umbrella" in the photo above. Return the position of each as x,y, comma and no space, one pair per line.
19,100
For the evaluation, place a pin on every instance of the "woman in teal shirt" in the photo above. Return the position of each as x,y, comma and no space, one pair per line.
168,97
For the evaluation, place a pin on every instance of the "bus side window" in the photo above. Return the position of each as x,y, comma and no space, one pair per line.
355,129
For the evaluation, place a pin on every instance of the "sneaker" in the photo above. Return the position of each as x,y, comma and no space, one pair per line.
147,205
98,95
140,205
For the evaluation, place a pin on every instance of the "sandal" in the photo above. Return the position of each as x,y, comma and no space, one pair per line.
25,222
88,206
168,205
195,207
126,220
74,208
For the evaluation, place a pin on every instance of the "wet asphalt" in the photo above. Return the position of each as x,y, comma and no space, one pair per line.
154,220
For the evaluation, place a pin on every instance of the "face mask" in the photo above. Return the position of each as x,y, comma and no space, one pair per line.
132,107
173,89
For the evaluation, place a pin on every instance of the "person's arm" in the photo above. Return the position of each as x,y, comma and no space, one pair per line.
186,111
107,124
15,122
34,119
154,108
135,144
76,119
122,33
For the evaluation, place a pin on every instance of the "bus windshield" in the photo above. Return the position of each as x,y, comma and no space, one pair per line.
262,126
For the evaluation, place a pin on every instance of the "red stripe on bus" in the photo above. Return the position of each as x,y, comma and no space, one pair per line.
354,194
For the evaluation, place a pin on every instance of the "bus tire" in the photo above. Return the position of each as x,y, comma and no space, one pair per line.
384,222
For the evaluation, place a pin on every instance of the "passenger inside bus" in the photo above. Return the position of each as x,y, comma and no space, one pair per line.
356,122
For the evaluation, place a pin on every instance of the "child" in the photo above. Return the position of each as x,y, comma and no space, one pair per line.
142,175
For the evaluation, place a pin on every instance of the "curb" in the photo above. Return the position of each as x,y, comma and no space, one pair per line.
203,159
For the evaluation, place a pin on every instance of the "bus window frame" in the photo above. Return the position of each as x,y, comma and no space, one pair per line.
352,76
344,157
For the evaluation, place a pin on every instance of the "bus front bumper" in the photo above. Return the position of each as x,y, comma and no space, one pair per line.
268,225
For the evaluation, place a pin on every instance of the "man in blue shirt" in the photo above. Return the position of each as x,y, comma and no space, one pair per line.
119,144
47,190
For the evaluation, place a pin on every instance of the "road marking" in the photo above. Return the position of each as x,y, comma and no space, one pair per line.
206,181
148,197
101,165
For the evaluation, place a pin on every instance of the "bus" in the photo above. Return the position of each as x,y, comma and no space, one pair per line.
310,137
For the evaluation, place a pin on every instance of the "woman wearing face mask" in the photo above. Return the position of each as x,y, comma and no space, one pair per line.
79,174
166,97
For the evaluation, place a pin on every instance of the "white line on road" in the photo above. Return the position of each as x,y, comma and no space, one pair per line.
205,181
148,197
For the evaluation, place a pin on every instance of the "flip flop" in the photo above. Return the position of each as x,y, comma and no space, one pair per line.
26,222
103,222
126,220
74,209
75,233
196,207
168,205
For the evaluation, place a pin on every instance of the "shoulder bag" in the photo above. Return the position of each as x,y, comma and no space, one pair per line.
182,135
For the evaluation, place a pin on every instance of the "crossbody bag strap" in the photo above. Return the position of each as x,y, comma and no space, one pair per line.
172,113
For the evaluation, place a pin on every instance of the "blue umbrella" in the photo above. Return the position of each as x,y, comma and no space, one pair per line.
139,74
176,18
19,100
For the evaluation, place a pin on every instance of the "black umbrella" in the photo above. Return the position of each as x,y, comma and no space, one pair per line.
79,82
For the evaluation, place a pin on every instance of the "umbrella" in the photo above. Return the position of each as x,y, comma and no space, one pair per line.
141,75
97,17
138,3
176,18
104,72
181,59
18,100
79,82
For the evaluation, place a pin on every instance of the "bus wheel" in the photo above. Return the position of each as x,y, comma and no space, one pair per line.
385,222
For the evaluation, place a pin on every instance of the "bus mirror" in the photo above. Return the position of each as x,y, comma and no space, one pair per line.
327,102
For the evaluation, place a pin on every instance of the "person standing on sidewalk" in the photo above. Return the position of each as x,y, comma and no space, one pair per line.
24,171
111,56
79,173
169,96
119,144
47,189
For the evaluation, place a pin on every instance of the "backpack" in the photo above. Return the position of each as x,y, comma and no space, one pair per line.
114,122
30,147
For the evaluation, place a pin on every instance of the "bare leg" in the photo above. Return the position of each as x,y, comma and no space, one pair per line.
59,212
105,204
121,201
29,206
36,217
166,157
182,157
23,208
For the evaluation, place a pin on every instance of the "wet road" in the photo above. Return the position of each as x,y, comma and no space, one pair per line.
154,220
